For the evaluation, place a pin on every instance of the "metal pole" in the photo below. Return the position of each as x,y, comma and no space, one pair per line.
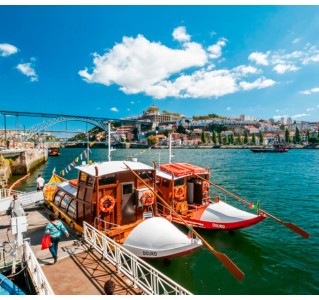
109,140
5,130
87,149
170,150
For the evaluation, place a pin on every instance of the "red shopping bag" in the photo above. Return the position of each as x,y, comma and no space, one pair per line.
46,241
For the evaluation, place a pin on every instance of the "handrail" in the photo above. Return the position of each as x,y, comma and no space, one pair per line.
39,280
143,275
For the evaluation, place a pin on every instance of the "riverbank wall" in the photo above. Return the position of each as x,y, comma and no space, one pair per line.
21,163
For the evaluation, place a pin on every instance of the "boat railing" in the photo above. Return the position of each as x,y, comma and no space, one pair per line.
107,227
40,282
141,274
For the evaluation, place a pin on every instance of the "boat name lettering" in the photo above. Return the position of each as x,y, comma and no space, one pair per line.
149,253
218,225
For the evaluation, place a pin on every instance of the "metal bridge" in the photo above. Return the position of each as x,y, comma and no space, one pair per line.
59,118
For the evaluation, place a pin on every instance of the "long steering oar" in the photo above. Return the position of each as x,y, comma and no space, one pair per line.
291,226
221,256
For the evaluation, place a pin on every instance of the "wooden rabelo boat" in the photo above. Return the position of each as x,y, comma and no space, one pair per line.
110,197
54,151
186,188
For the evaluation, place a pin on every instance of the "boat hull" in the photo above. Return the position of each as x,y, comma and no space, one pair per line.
221,216
158,238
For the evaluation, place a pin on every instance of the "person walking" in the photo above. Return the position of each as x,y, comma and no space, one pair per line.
40,183
55,228
109,287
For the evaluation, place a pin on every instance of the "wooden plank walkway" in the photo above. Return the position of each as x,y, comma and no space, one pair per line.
79,270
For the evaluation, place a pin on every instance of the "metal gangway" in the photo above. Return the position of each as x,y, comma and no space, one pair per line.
142,274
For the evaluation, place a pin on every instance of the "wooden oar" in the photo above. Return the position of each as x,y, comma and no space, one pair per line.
221,256
291,226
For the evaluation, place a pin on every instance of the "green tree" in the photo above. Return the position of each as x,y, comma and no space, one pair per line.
298,136
308,135
239,139
220,140
181,129
253,139
287,136
246,138
226,140
203,138
152,140
135,132
214,137
261,138
232,138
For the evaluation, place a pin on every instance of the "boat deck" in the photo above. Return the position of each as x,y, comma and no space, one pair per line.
79,270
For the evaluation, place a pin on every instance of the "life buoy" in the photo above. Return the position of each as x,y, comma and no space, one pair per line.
147,198
205,186
179,193
217,198
107,204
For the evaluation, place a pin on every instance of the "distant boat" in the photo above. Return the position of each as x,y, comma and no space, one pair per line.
271,150
54,151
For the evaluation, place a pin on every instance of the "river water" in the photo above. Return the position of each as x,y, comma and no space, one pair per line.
275,260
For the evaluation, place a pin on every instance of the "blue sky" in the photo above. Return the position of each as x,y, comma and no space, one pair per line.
116,61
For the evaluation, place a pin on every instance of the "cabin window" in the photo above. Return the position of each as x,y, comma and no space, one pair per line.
90,181
83,177
145,175
81,192
71,208
179,182
65,201
165,183
127,189
107,180
58,197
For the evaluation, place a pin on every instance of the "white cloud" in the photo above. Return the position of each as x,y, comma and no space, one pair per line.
132,102
312,58
180,34
114,109
310,109
245,70
311,91
200,84
260,58
277,110
215,51
228,108
28,71
7,49
282,68
260,83
137,64
279,117
295,41
300,116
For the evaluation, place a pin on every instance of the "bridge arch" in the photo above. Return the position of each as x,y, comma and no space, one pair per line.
40,126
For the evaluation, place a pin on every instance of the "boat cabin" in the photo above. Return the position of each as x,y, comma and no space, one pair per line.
181,188
107,193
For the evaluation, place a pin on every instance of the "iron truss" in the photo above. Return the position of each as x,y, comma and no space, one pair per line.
41,126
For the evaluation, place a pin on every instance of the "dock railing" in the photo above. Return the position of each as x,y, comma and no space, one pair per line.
39,280
142,275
